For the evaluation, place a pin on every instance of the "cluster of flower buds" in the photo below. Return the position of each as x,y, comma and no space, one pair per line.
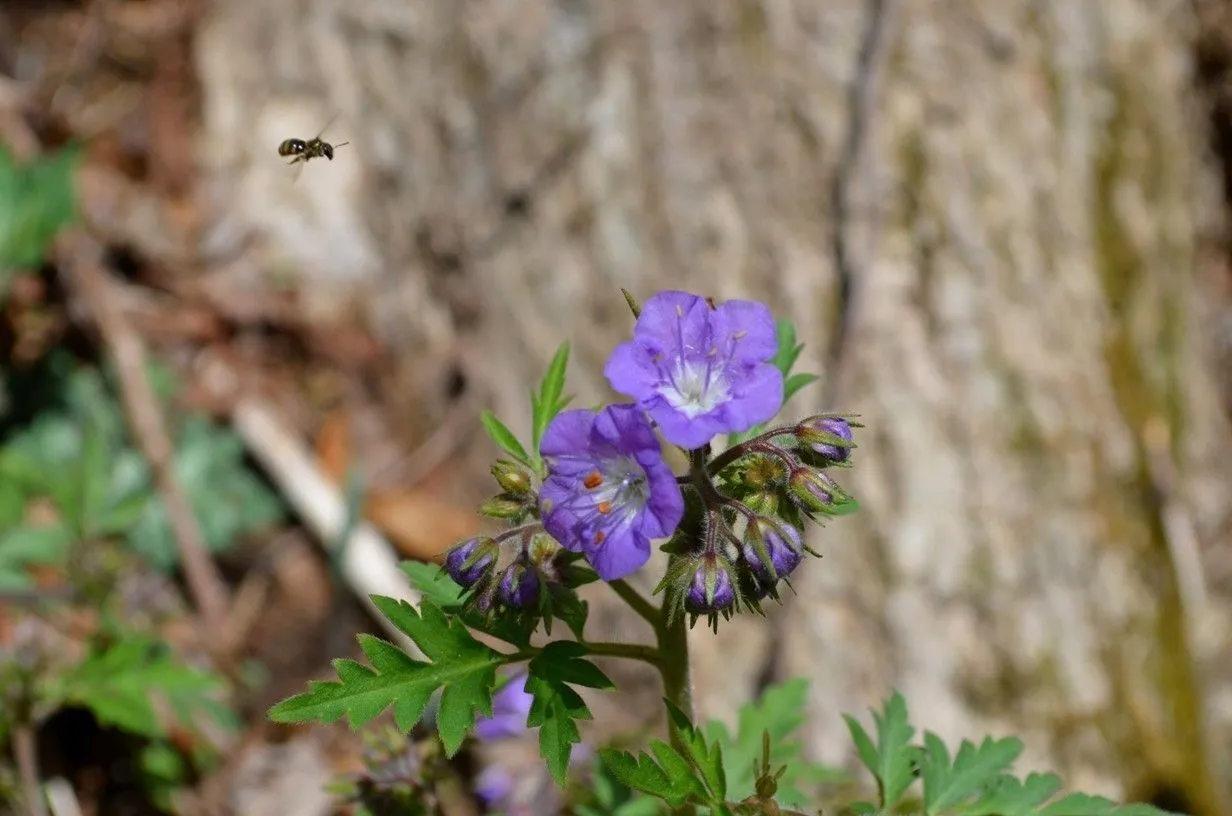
694,370
756,500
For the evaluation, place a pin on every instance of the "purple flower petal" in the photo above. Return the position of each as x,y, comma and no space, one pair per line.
699,372
510,708
608,491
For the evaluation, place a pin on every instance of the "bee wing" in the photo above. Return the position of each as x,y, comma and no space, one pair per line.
329,124
298,172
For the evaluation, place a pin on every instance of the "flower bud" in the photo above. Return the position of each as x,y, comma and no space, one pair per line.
512,477
814,490
519,586
468,562
772,550
500,507
711,588
829,437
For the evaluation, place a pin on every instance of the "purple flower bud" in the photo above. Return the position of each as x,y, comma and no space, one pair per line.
814,490
830,437
519,586
469,562
772,550
711,588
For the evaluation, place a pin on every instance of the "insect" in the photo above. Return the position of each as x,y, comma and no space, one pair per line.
302,151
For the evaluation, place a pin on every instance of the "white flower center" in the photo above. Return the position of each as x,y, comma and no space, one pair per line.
695,387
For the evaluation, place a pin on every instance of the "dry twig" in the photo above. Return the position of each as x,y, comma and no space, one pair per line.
367,561
25,752
81,263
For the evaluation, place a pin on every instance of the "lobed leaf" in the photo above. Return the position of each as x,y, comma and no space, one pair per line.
890,759
973,769
462,667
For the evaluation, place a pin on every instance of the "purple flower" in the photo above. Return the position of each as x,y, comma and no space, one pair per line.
608,490
494,786
777,545
510,708
711,588
698,371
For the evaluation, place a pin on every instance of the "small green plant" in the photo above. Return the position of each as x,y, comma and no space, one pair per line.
37,199
77,503
582,503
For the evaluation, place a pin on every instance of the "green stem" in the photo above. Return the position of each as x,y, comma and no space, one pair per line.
672,635
631,651
648,611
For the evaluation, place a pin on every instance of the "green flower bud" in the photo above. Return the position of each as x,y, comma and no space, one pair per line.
502,507
512,477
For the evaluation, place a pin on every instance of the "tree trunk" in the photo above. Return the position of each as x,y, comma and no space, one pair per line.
985,220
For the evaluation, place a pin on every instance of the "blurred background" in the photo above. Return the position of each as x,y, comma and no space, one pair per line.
999,226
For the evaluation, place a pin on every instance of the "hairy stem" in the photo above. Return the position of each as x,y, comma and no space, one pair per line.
673,644
648,611
631,651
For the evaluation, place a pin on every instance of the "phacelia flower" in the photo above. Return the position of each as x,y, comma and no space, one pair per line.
832,426
700,371
772,551
711,588
469,561
608,491
510,708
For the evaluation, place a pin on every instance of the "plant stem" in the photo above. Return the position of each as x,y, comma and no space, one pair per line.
25,751
648,611
673,643
632,651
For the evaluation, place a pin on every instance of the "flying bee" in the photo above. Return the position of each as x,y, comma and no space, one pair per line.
302,151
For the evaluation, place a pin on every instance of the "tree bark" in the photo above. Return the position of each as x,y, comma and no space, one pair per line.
986,220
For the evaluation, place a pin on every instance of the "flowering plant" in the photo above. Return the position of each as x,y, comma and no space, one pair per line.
585,503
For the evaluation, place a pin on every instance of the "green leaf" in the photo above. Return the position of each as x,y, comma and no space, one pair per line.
503,437
565,661
566,605
666,774
436,585
119,684
781,712
549,402
37,199
12,504
891,758
433,583
1080,804
973,769
553,712
795,383
556,705
463,667
706,759
227,498
1008,796
27,546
